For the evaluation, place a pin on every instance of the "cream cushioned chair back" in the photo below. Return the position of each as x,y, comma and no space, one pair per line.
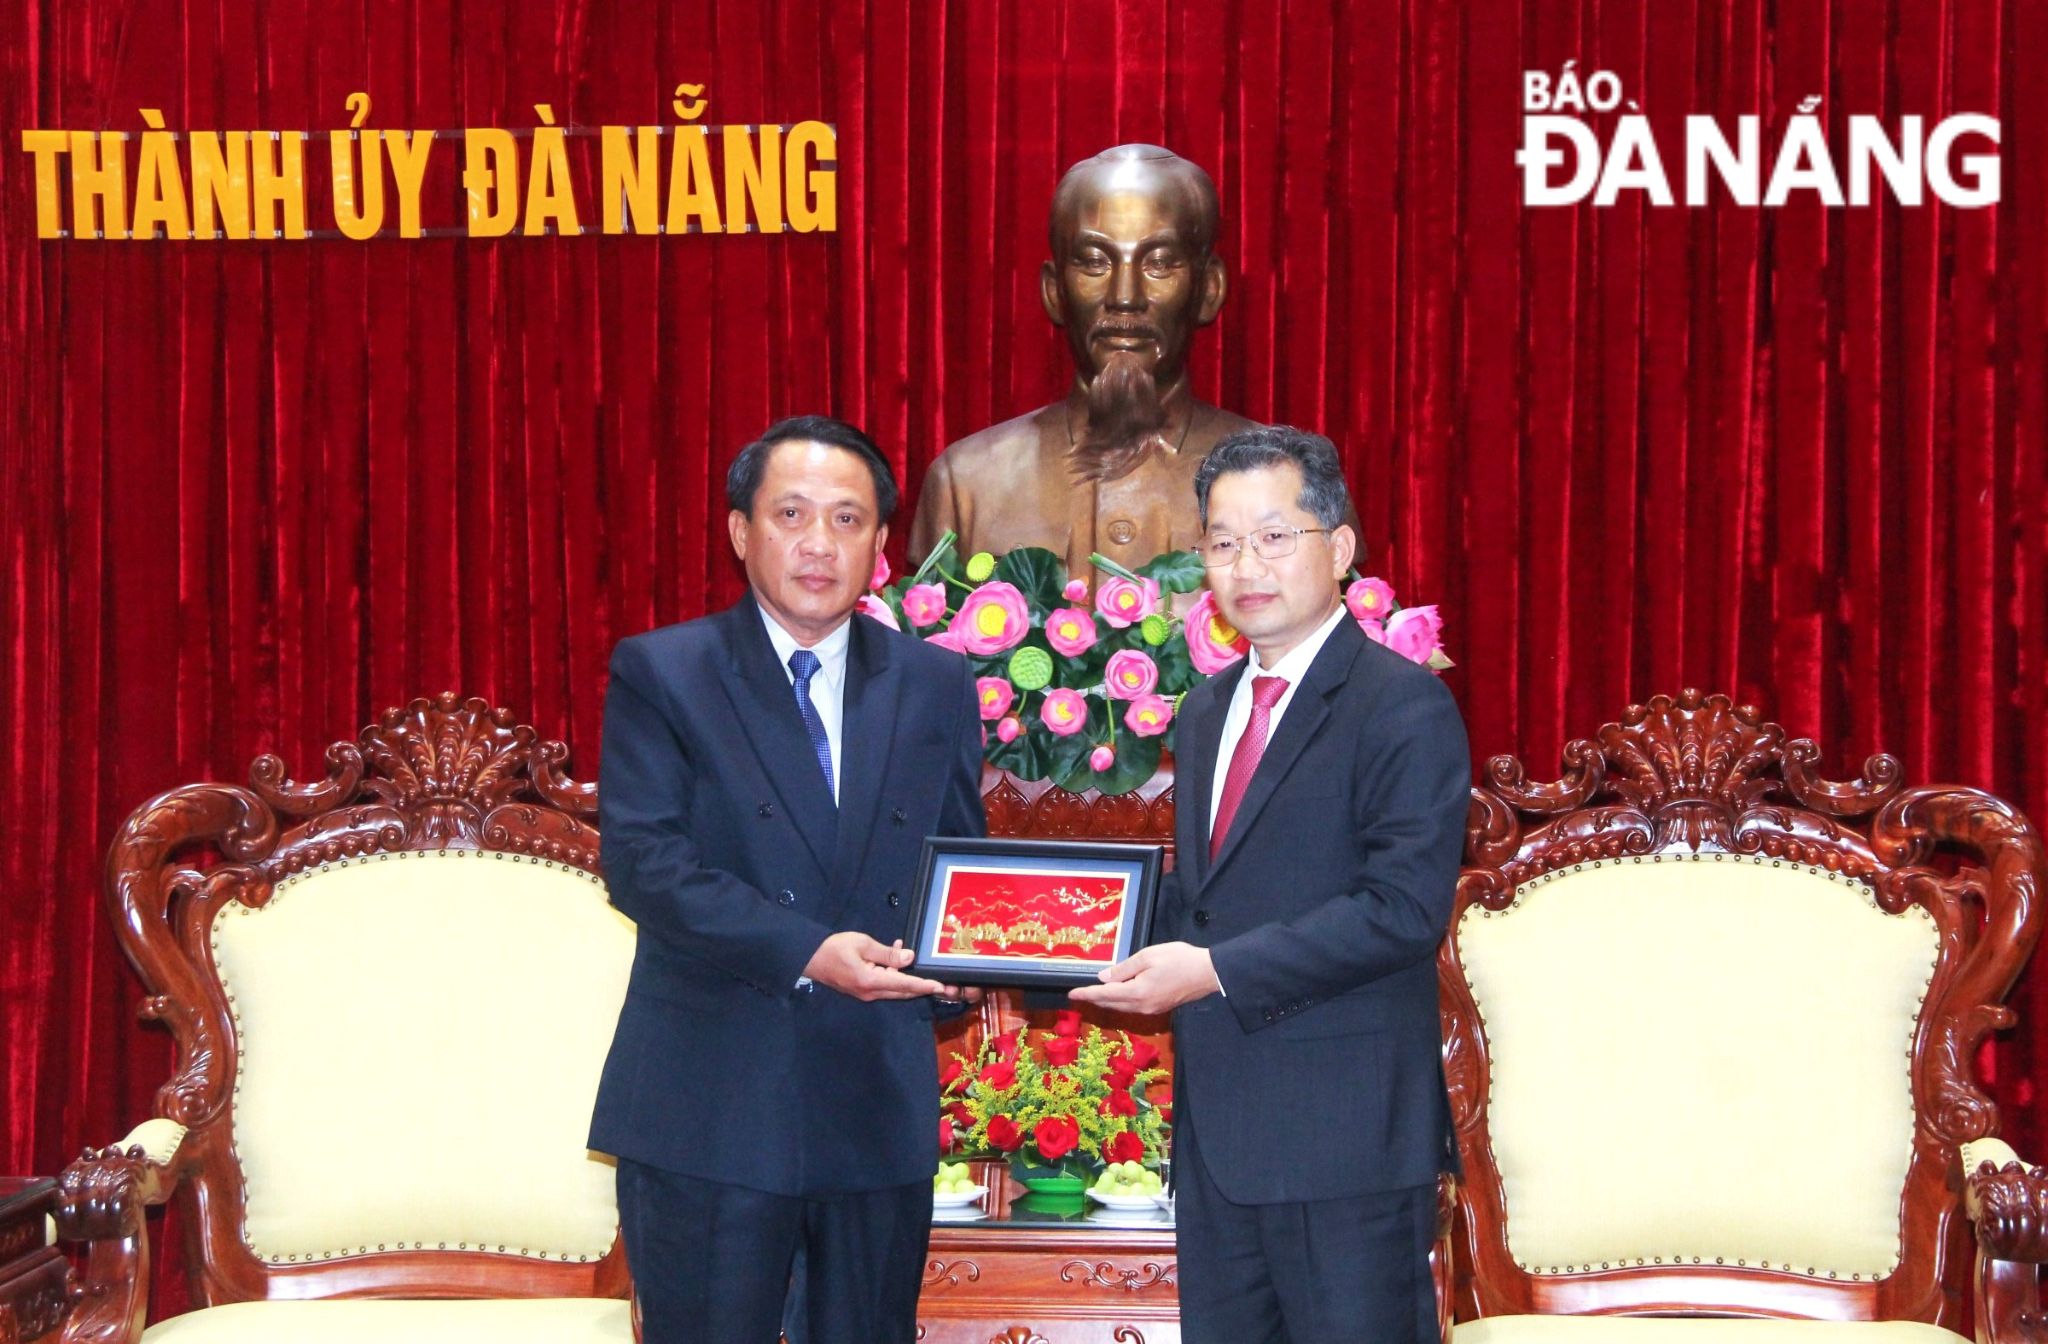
1700,1059
419,1037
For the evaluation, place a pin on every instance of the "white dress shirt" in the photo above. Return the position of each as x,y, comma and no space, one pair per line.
828,683
1293,667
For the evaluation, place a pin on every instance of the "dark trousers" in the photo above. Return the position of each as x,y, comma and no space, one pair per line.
712,1263
1324,1272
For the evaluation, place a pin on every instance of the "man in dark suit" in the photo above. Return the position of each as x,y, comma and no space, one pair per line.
1321,802
769,775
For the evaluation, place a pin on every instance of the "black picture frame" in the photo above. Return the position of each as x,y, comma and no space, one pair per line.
946,950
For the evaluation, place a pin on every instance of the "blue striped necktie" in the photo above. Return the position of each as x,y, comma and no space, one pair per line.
804,664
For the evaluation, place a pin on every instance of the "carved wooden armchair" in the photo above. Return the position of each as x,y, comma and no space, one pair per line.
391,991
1710,1027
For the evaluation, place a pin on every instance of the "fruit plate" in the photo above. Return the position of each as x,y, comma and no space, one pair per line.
970,1214
957,1199
1154,1217
1133,1202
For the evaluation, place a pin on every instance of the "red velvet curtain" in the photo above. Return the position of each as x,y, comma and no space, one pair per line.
253,492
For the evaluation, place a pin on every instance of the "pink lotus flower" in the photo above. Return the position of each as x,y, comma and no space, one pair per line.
881,574
1149,715
994,617
996,695
948,639
1009,729
1130,674
925,603
1070,631
1077,590
1064,711
870,605
1122,602
1102,758
1374,631
1415,633
1370,599
1213,644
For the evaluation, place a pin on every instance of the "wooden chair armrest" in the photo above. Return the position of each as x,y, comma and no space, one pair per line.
2007,1203
101,1199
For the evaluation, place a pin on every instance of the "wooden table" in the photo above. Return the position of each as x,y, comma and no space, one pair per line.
1023,1272
33,1273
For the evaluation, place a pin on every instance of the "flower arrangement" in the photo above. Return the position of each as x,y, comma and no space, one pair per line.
1082,689
1069,1102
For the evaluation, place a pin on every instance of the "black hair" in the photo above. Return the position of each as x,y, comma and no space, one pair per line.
743,478
1323,492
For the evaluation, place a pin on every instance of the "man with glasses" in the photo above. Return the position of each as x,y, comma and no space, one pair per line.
1323,784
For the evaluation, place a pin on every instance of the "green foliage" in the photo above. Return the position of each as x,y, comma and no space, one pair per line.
1041,1091
1137,760
1038,574
1176,572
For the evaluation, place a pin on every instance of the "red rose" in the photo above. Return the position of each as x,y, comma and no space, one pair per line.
1006,1044
1061,1050
961,1115
1002,1075
1067,1022
1124,1147
945,1135
1119,1102
1056,1135
1003,1134
950,1074
1122,1070
1161,1096
1148,1053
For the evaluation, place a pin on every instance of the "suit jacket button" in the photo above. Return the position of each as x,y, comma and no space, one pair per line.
894,900
1202,918
787,898
765,810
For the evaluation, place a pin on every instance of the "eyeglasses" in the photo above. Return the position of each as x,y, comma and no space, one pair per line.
1268,543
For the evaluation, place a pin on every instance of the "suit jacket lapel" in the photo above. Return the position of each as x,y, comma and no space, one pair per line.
765,705
867,737
1199,738
1305,715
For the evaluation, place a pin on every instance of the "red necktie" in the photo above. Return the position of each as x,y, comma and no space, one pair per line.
1244,758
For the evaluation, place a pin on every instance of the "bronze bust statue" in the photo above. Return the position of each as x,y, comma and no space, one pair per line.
1111,466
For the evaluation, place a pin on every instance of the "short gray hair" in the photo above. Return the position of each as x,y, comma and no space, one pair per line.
1323,492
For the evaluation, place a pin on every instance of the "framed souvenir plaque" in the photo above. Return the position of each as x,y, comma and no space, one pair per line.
1046,914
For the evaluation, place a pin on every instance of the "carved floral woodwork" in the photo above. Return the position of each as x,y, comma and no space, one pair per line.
2009,1206
1093,1286
1123,1278
1697,773
102,1199
1044,811
445,773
